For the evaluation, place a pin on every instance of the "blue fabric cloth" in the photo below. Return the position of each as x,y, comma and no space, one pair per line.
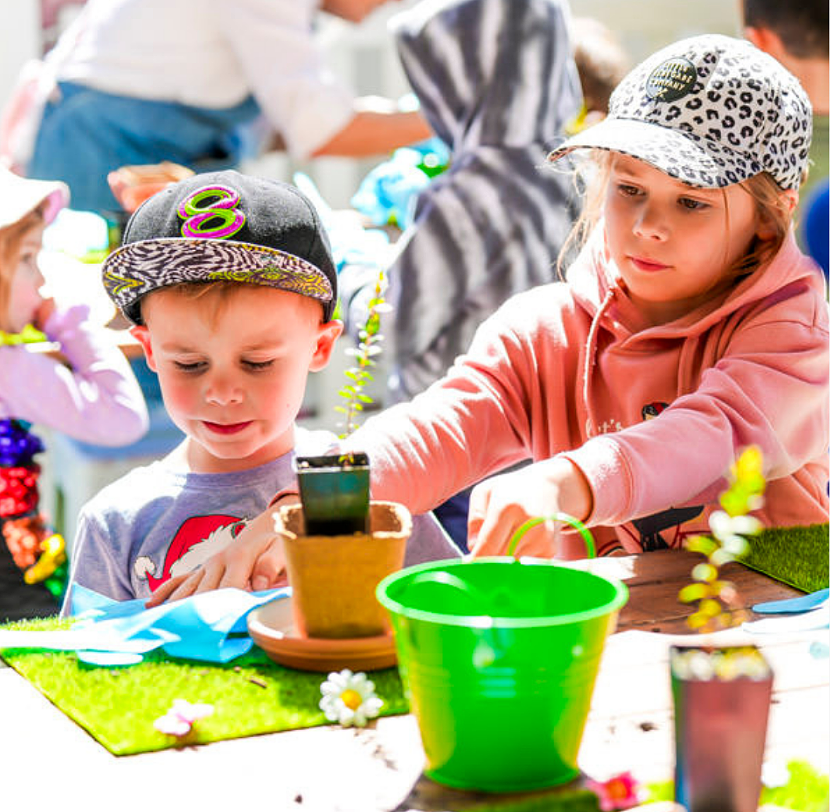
211,627
195,628
86,133
453,515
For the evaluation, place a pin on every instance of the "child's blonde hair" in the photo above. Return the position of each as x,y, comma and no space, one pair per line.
11,238
592,177
214,295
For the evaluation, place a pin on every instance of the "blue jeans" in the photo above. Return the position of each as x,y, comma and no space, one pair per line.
452,515
85,134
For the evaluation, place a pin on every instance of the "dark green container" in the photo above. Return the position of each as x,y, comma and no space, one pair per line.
334,491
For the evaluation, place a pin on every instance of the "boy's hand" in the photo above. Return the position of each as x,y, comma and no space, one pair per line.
499,506
253,561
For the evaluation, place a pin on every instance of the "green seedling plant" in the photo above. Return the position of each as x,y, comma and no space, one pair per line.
365,354
716,597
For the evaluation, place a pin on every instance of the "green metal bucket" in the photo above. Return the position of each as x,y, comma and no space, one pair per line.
498,658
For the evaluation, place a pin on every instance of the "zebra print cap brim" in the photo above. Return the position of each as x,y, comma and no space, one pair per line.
138,268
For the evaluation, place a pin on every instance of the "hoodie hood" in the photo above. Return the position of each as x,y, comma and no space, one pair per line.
497,81
490,72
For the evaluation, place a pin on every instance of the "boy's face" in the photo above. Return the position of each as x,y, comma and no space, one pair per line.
233,378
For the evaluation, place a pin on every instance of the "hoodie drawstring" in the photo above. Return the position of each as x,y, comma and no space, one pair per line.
590,360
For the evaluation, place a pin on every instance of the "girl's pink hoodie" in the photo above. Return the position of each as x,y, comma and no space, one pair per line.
653,415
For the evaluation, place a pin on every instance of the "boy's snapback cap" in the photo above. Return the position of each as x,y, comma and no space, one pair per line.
222,226
710,111
19,196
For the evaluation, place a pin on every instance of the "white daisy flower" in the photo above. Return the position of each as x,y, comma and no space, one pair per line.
349,699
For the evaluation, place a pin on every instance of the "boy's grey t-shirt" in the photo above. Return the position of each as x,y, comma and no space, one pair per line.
155,523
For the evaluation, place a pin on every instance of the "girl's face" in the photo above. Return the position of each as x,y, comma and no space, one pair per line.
26,282
233,380
674,244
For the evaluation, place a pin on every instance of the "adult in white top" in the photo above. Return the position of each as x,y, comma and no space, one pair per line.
141,81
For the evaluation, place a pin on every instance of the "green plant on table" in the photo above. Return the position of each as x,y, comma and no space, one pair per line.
727,542
721,693
334,487
715,597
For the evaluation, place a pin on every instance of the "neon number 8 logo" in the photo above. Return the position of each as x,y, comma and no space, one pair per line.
200,218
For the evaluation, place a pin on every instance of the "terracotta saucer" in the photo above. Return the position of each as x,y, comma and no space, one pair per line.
271,627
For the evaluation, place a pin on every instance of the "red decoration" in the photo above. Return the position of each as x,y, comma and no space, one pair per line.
18,490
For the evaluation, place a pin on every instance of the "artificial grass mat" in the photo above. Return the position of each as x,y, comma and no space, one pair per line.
798,556
117,706
253,695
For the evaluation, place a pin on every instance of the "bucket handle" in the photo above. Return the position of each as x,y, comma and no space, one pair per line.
452,582
554,517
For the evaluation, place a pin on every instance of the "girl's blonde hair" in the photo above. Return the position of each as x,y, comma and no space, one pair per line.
592,178
11,238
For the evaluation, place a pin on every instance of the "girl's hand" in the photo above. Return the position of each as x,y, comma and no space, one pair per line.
44,311
254,561
499,506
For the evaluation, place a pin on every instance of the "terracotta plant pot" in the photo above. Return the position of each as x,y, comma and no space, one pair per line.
720,726
333,578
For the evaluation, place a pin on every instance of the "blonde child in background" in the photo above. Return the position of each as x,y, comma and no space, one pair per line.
92,395
689,327
602,63
231,286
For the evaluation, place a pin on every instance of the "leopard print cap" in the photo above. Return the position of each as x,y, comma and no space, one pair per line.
711,111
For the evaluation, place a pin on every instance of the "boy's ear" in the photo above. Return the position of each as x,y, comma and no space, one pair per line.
141,334
327,335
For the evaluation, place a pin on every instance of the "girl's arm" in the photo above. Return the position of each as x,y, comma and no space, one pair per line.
509,399
769,389
96,399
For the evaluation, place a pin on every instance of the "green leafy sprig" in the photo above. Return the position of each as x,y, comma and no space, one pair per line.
715,597
365,354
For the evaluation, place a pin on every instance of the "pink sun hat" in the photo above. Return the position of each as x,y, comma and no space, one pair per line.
19,196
